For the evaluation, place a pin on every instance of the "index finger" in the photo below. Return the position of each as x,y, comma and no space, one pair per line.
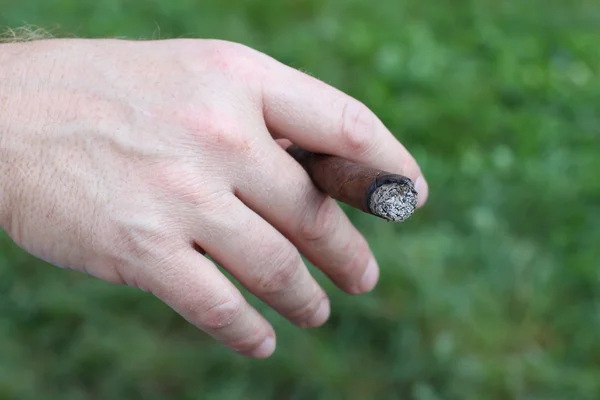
323,119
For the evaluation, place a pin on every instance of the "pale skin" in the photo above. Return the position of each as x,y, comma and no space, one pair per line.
131,160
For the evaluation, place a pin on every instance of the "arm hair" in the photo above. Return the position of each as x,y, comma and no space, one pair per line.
23,34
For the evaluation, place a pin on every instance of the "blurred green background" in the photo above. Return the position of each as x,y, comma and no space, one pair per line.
490,292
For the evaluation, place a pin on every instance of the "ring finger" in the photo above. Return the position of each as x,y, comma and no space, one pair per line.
264,261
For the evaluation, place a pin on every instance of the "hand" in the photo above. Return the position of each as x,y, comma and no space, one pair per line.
130,160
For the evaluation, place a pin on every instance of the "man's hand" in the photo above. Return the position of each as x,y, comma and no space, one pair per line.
129,160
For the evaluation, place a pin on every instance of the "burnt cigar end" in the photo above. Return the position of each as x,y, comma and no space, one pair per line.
392,197
389,196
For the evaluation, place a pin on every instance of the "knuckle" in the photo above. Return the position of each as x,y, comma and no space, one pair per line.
179,180
285,265
223,313
356,127
154,243
232,139
224,133
234,59
198,123
318,227
218,130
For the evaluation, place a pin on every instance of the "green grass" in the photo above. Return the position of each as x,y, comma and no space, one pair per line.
490,292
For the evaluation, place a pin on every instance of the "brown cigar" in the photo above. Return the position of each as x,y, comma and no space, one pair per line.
389,196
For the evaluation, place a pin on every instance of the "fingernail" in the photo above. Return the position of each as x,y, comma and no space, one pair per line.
321,315
370,277
265,349
422,190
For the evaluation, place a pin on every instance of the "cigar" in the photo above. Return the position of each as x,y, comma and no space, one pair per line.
389,196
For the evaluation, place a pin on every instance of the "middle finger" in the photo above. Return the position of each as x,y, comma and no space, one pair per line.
281,191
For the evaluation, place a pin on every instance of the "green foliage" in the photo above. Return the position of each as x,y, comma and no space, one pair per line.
490,292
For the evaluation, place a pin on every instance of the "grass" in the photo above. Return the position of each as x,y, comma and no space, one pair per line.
490,292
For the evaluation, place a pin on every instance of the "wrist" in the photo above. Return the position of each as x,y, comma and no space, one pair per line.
10,75
24,72
4,173
4,129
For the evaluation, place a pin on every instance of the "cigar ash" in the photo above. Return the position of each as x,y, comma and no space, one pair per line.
393,200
